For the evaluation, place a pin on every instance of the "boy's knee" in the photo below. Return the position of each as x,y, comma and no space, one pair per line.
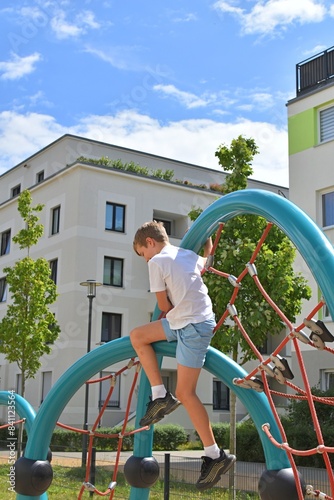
132,336
135,337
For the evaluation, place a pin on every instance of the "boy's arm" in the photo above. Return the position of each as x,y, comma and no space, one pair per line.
164,303
207,247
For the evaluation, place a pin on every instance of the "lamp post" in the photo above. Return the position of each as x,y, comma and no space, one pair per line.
91,293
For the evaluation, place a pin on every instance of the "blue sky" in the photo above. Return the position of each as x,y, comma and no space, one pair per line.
174,78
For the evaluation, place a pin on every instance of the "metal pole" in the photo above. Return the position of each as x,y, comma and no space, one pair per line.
85,426
166,476
93,470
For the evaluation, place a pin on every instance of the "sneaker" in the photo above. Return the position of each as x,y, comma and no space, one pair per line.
157,409
213,469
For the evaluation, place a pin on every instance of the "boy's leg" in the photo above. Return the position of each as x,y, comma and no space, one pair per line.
212,468
142,339
186,392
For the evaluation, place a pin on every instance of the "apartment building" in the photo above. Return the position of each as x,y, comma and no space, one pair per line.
311,183
91,212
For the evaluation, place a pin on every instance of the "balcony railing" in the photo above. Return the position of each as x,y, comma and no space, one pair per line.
315,71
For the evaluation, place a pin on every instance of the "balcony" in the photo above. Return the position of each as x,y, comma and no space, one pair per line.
315,72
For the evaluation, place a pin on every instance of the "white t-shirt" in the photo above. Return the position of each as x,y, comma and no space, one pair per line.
178,271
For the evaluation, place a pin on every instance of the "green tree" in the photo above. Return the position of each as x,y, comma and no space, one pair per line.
274,265
29,328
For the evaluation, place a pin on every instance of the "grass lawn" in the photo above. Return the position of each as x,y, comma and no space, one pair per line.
67,482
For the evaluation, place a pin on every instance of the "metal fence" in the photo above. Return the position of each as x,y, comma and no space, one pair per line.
177,475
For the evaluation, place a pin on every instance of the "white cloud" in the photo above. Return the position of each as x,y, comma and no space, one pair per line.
270,16
24,134
315,50
191,101
186,18
263,100
18,67
120,57
65,29
227,7
194,141
87,18
186,98
221,103
62,28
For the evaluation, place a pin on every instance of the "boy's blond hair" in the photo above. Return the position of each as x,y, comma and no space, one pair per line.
151,229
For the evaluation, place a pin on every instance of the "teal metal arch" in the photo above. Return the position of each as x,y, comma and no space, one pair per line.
119,350
317,253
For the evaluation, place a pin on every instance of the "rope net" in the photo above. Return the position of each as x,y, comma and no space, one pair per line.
93,432
276,366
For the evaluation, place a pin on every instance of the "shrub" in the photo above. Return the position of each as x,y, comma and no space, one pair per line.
217,187
249,446
168,437
221,431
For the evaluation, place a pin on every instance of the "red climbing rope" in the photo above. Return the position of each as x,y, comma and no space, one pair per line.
93,433
277,366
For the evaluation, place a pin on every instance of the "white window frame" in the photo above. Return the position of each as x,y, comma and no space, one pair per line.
330,133
114,402
55,220
46,384
5,242
326,376
322,194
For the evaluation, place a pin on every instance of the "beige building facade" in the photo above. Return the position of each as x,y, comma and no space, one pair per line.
90,215
311,186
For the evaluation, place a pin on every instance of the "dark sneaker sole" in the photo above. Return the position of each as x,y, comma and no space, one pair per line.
172,408
159,415
215,475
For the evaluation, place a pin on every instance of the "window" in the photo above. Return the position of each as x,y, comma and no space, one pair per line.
115,217
3,290
326,125
327,380
325,312
111,326
53,269
40,176
114,400
328,209
55,216
221,396
113,271
18,383
176,225
16,190
46,384
167,225
5,242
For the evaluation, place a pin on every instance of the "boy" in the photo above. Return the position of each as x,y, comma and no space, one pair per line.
175,277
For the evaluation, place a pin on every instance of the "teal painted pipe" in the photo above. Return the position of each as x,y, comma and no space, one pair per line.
119,350
26,411
318,254
307,237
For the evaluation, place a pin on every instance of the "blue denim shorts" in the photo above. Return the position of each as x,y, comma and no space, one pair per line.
192,341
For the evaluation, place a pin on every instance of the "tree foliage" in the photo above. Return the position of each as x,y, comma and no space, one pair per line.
29,328
274,265
299,410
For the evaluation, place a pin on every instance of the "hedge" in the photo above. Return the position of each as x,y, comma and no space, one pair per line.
169,437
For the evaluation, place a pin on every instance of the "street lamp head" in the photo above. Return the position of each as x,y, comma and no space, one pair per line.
91,287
